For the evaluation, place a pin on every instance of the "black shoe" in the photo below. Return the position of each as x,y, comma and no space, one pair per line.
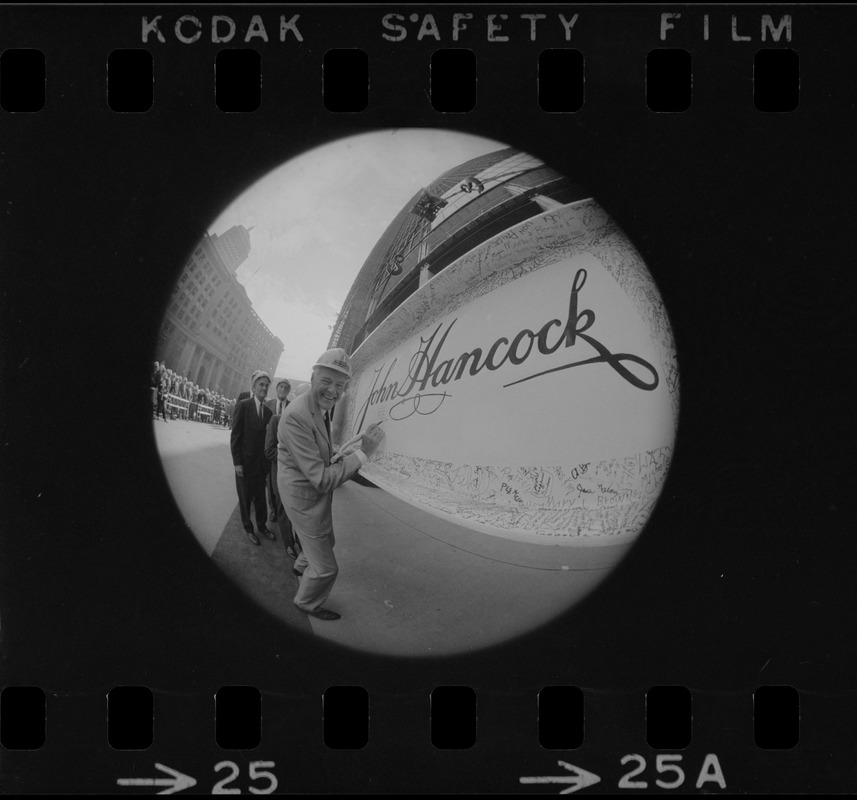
253,538
267,533
322,613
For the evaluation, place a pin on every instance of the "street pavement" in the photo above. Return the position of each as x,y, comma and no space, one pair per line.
410,583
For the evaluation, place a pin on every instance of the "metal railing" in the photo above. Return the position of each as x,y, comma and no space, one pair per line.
173,401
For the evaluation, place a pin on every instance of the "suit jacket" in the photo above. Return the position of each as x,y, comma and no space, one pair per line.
248,438
272,404
271,454
271,441
305,477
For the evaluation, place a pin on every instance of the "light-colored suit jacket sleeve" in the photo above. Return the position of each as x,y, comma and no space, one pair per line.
309,450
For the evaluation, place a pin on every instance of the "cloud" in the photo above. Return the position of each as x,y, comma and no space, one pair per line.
317,217
302,320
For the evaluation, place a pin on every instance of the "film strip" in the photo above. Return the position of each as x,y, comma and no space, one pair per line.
590,268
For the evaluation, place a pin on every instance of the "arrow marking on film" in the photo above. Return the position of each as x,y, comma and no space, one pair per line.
579,779
177,783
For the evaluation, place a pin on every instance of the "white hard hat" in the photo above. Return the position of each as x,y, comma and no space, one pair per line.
336,359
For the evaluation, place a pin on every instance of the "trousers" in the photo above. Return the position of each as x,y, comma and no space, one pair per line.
319,567
251,489
287,531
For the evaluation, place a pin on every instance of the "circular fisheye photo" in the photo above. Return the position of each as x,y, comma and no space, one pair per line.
415,392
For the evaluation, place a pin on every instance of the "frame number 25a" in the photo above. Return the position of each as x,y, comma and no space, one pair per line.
672,776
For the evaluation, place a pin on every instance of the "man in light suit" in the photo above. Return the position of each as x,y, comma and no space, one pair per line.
306,478
277,406
248,455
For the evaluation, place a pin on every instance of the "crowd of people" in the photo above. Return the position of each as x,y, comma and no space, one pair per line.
175,396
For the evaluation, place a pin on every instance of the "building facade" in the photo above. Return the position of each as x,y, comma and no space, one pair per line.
210,332
233,247
455,213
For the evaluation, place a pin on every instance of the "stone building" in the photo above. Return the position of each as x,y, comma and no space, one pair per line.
210,332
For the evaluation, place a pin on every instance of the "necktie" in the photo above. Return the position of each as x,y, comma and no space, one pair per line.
261,411
327,425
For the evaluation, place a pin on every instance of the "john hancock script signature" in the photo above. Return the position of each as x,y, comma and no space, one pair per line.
426,367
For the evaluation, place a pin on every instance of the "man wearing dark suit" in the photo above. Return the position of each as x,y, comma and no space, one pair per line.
307,479
279,513
248,455
277,406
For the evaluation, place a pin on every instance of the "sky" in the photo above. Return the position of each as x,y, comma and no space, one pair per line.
316,218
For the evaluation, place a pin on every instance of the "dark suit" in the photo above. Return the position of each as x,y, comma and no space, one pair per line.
286,531
273,494
272,404
248,451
